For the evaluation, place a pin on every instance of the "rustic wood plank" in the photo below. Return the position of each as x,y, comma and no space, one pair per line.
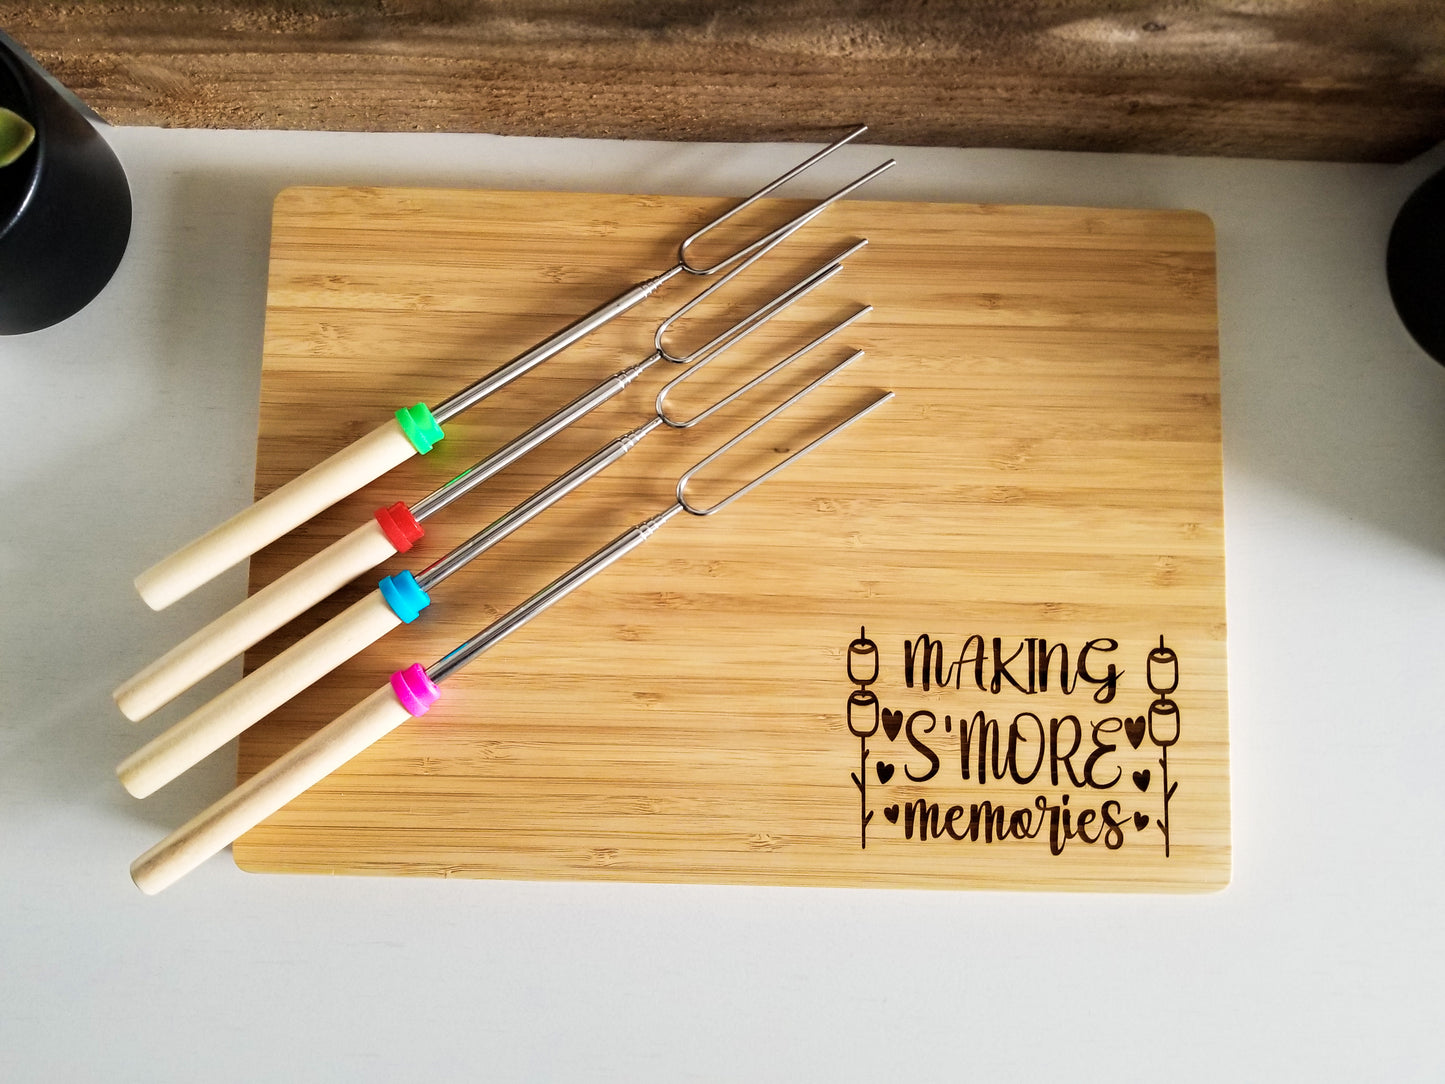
1316,79
1049,471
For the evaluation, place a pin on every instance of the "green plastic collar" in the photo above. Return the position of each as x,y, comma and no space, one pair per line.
420,427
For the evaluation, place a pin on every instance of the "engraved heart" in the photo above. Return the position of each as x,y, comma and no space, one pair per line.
1134,730
1141,821
885,771
1141,779
892,723
891,812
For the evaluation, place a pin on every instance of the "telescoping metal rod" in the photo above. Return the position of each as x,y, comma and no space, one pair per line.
395,529
415,430
409,693
398,600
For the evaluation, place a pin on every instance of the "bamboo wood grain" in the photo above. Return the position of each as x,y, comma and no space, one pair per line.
1050,471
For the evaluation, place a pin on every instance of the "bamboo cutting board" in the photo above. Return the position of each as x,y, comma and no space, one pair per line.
976,641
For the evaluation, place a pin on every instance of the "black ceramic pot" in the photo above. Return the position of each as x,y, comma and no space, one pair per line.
1415,265
64,208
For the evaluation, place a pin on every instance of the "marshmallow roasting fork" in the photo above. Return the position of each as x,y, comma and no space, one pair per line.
412,691
400,599
416,429
396,528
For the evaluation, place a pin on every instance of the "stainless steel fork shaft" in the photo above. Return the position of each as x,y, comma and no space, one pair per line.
554,344
518,447
533,506
554,592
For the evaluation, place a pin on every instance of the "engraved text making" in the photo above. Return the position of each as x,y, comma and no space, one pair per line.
1029,668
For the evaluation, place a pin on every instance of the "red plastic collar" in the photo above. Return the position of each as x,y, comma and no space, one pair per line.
399,525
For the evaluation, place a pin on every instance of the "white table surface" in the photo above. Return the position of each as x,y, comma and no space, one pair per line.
131,427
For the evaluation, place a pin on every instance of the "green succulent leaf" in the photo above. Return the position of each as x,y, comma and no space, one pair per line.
16,134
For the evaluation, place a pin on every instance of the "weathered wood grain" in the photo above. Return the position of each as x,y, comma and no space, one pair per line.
1316,79
1049,471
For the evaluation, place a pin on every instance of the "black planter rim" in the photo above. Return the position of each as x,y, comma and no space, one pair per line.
1415,265
31,111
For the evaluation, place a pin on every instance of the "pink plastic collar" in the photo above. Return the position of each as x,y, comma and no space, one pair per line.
414,689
